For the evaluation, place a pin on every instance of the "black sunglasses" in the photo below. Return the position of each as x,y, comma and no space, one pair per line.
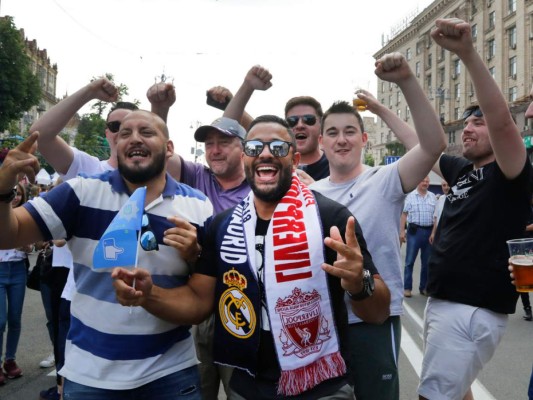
147,240
113,126
307,119
278,148
476,112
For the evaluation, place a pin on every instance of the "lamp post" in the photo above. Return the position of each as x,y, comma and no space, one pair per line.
197,152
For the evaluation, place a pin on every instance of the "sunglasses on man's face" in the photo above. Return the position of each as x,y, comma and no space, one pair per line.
476,112
307,119
147,240
113,126
278,148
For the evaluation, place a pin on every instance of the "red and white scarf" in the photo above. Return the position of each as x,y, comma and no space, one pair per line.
298,300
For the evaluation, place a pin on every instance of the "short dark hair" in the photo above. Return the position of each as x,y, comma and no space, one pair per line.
306,101
122,105
342,107
265,119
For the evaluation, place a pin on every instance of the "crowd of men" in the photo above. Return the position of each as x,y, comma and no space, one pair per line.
284,252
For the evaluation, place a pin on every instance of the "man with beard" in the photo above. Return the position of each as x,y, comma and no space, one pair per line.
276,284
111,352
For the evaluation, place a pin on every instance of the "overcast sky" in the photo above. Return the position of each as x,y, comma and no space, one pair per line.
311,47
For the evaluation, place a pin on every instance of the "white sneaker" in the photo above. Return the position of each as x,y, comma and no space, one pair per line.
48,361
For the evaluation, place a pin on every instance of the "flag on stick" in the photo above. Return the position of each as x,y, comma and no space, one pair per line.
118,245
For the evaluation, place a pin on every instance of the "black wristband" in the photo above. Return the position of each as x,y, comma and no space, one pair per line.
8,197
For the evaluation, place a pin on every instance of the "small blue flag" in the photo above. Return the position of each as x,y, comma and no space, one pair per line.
118,245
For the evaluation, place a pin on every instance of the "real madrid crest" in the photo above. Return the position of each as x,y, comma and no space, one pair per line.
235,308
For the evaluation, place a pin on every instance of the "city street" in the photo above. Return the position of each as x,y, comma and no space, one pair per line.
505,378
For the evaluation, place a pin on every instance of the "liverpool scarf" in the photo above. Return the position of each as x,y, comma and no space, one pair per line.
297,296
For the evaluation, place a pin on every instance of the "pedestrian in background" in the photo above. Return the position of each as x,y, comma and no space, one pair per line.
13,273
418,213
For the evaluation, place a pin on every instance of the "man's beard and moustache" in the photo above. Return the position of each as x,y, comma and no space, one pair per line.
275,194
144,175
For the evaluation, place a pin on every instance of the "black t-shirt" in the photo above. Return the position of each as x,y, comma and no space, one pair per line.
318,170
483,210
264,385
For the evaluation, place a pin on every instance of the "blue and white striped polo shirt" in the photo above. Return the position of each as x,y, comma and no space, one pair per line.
108,345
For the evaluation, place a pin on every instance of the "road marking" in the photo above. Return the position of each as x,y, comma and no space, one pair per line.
414,355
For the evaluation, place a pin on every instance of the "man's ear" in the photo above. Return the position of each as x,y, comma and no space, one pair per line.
296,160
170,148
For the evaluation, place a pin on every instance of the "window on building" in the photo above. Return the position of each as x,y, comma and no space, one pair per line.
399,113
417,69
512,67
474,7
42,77
474,31
511,36
456,113
390,101
382,87
457,91
451,137
407,113
442,53
511,6
408,54
429,86
457,67
513,91
430,60
418,48
398,97
492,71
491,49
492,19
51,84
442,76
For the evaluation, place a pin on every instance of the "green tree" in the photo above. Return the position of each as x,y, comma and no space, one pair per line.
19,87
91,137
369,160
394,149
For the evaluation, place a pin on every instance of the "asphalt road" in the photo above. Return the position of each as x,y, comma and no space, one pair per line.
506,377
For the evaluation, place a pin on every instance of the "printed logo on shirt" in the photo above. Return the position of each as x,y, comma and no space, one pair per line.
464,184
235,308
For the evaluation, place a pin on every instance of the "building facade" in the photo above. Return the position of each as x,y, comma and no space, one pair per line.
503,34
47,74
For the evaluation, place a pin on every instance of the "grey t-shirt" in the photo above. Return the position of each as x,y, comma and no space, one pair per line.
376,199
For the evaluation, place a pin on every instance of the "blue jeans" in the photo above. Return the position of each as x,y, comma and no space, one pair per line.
181,385
415,242
12,290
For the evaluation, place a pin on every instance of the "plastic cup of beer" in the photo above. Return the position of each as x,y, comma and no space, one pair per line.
521,252
359,104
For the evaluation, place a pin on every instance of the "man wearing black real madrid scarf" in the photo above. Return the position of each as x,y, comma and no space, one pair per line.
275,280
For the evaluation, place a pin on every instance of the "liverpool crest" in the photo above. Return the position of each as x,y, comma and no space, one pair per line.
304,328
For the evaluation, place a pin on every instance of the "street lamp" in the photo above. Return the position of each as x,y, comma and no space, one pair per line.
196,151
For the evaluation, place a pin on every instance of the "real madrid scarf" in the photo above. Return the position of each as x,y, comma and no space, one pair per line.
298,300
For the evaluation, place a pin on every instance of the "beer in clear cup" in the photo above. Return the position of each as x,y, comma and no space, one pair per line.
521,252
359,104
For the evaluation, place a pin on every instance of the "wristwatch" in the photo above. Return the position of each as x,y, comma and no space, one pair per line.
8,197
368,287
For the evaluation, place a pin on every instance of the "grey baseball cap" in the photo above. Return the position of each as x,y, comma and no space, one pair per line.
226,126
